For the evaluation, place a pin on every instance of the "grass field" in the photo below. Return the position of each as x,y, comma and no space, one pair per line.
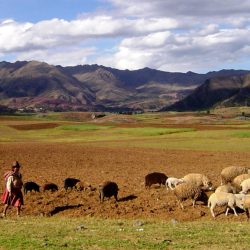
155,130
214,136
88,233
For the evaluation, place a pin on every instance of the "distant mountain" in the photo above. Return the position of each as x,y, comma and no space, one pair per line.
25,84
217,92
95,88
139,89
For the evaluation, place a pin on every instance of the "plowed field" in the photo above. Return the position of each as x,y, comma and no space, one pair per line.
53,162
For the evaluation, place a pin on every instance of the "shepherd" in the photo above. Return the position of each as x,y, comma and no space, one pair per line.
13,195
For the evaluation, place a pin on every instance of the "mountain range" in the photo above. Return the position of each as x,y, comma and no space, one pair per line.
216,92
32,84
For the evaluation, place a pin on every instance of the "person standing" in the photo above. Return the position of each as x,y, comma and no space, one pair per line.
13,195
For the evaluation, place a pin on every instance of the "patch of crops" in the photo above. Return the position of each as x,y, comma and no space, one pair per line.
151,131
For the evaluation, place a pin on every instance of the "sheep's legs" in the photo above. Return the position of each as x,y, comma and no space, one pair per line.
233,210
182,207
212,211
193,202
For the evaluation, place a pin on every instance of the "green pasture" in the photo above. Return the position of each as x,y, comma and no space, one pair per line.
242,134
235,138
151,131
84,133
82,127
92,233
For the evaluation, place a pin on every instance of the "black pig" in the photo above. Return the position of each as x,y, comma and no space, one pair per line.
29,186
108,189
155,178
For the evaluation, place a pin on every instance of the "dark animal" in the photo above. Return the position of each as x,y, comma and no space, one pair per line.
155,178
29,186
108,189
50,186
70,183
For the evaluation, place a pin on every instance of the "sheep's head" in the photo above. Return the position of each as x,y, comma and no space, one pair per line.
240,203
207,184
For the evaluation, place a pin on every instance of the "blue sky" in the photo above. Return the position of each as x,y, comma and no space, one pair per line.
37,10
168,35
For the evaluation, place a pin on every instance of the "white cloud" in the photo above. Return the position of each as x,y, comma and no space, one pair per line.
170,8
169,35
152,40
56,32
167,51
66,57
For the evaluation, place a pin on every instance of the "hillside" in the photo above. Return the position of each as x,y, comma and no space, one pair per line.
217,92
95,88
25,84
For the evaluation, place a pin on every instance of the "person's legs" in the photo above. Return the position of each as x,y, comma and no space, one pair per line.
5,210
18,210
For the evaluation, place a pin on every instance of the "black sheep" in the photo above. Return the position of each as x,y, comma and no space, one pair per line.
50,186
108,189
29,186
155,178
70,183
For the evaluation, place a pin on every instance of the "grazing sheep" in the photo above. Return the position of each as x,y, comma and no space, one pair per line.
221,199
200,180
226,188
172,181
29,186
70,183
186,191
240,196
229,173
246,205
108,189
245,186
50,186
238,179
155,178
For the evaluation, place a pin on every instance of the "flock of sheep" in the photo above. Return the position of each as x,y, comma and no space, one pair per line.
235,183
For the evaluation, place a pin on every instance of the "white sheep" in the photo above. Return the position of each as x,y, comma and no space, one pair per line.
200,180
245,186
246,205
226,188
240,196
173,182
221,199
186,191
238,179
229,173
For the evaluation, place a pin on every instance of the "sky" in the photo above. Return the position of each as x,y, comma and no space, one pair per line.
168,35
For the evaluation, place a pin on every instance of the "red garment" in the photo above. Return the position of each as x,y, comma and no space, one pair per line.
16,198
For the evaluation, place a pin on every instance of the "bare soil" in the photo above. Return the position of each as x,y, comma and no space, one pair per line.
53,162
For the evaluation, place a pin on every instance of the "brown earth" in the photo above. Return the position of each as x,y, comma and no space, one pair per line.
50,162
34,126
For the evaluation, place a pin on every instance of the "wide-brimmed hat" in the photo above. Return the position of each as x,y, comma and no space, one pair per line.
15,164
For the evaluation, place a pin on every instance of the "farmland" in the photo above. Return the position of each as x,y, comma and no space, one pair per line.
123,148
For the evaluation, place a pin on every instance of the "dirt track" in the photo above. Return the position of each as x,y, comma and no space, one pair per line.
126,166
